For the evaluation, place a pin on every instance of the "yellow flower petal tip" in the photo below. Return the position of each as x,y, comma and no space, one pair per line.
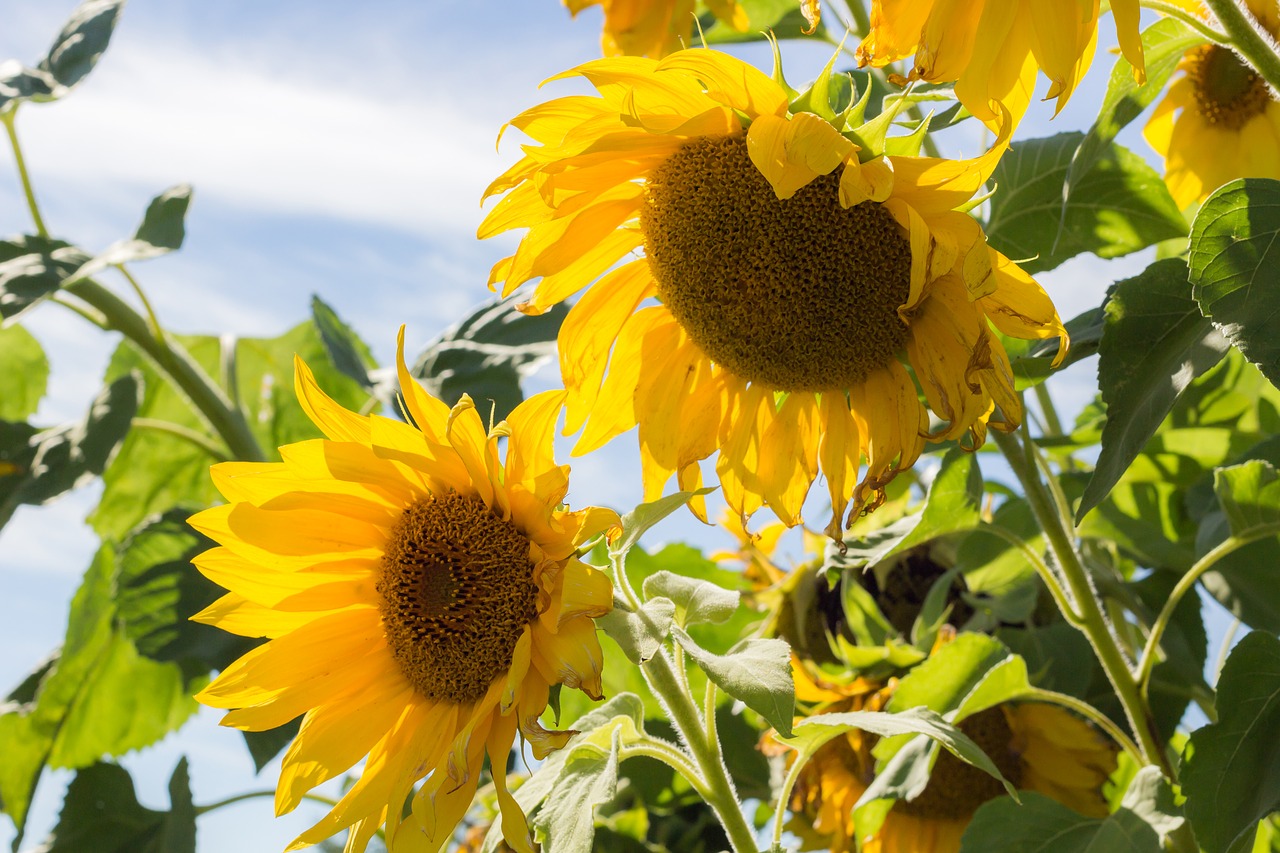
776,309
359,558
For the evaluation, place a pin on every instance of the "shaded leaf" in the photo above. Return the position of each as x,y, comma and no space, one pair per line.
588,779
646,515
1155,342
32,269
1043,825
696,600
101,813
24,373
36,467
1231,768
1233,256
347,352
755,672
161,232
639,634
74,52
488,354
1120,206
1032,361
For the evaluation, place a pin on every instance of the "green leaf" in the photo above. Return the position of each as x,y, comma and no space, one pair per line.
756,672
32,269
155,471
347,352
688,562
1001,582
72,56
696,600
161,232
1231,768
1163,45
36,467
1119,207
1233,257
1043,825
970,674
639,634
1032,361
1250,497
1151,798
780,17
588,779
264,746
812,732
646,515
1185,647
24,373
488,354
953,504
101,813
1154,344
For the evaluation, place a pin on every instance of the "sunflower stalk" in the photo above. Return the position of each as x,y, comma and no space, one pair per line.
1248,39
27,189
1022,457
708,775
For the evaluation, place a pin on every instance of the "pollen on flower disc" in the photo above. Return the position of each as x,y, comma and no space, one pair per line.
956,789
799,294
456,593
1227,91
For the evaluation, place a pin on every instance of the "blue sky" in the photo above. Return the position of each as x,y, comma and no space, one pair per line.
337,149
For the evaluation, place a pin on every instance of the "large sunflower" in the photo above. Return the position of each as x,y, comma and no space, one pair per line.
991,50
1037,747
419,597
795,284
655,27
1219,121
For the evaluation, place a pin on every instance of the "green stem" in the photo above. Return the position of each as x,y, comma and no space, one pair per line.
1185,584
208,399
1022,460
1248,39
720,795
199,439
9,126
146,303
1090,713
784,795
1042,569
1173,10
253,795
669,755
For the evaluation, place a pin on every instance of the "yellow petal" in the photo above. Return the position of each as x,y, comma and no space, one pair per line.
515,828
730,81
570,656
1020,308
789,455
333,420
944,334
892,424
668,359
838,455
738,465
870,181
933,185
614,410
791,153
530,461
1126,14
895,31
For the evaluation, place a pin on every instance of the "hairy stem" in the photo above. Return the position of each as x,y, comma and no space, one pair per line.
1173,10
1249,39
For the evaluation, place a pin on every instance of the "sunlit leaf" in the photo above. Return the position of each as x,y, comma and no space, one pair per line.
1155,342
696,600
1120,206
161,232
1231,768
24,373
641,633
756,672
646,515
347,352
1233,258
589,778
74,52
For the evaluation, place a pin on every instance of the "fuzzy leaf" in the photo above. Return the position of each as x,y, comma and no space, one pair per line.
755,672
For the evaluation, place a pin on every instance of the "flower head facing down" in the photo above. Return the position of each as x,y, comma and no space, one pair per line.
789,278
992,50
420,595
1219,120
655,27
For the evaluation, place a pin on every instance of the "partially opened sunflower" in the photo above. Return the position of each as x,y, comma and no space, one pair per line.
1037,747
788,282
992,49
1218,121
655,27
420,596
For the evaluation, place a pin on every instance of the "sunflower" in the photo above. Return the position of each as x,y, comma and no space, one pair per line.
655,27
1219,121
1037,747
785,282
420,598
992,50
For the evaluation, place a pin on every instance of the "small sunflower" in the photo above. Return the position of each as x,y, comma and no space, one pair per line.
1037,747
785,288
420,598
1219,121
655,27
992,50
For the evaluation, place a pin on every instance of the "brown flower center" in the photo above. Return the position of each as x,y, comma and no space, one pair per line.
956,789
457,592
1228,92
799,294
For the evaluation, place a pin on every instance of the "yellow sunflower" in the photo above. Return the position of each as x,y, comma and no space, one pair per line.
655,27
786,284
419,597
1219,121
1037,747
992,50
